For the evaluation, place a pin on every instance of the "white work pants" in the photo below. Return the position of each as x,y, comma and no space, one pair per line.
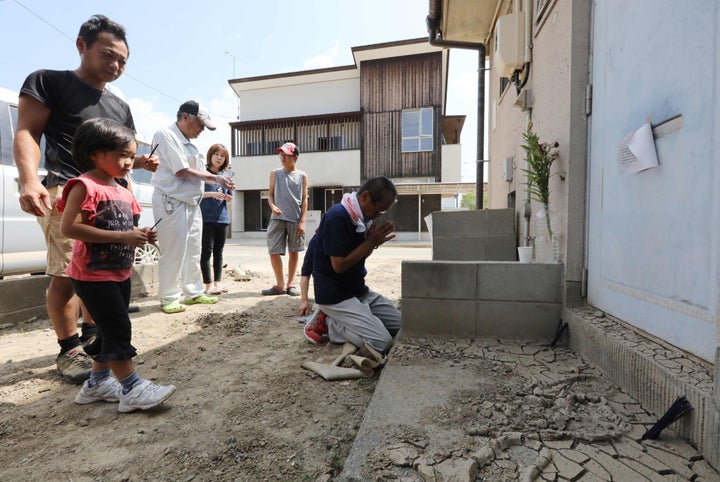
180,240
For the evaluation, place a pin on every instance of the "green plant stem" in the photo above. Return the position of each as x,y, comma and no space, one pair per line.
547,221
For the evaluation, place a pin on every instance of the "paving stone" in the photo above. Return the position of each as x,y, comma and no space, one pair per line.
575,456
608,449
647,472
596,469
704,471
674,445
532,349
617,468
456,470
590,477
628,448
559,444
678,464
567,469
550,470
637,430
533,444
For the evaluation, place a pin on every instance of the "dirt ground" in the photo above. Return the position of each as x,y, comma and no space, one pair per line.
244,409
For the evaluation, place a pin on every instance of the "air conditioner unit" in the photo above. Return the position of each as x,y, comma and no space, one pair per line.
509,43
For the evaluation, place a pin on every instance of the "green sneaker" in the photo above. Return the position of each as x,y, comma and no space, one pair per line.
202,299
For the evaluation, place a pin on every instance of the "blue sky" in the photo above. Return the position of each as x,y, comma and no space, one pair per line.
178,49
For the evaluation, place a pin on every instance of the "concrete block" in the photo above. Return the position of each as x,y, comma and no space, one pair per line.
501,222
500,248
480,235
519,281
464,248
459,223
23,297
422,317
144,280
527,321
439,279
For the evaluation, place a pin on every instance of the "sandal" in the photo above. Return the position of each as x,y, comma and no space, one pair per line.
272,291
174,307
293,291
214,291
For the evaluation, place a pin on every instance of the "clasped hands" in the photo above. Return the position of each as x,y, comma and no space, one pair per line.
379,234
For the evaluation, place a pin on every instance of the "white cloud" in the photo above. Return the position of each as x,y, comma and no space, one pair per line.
223,109
322,60
147,120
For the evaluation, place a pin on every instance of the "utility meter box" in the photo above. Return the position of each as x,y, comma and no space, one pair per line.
509,43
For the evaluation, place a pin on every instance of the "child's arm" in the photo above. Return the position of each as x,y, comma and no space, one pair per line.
72,226
271,195
303,206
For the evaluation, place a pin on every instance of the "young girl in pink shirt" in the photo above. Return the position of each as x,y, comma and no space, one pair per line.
98,214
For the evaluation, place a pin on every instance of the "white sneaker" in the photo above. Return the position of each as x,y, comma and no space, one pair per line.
106,390
144,395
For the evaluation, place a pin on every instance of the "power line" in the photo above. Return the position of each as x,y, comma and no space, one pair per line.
45,21
73,40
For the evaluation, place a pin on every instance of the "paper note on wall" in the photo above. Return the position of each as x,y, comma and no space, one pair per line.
637,151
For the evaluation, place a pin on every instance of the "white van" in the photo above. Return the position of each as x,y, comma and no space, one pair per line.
22,243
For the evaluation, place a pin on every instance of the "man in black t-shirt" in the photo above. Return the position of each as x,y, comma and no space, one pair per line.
54,104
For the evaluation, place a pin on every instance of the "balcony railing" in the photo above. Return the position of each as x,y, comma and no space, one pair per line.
334,132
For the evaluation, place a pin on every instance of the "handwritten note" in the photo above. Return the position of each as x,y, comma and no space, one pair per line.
637,151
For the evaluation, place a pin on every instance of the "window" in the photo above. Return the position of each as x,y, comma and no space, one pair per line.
336,143
272,145
253,148
417,130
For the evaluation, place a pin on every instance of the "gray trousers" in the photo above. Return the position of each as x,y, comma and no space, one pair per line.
370,319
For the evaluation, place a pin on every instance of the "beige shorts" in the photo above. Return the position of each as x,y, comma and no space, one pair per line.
59,248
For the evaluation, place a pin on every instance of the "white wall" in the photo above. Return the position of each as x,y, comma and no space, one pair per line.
337,168
300,100
653,243
451,163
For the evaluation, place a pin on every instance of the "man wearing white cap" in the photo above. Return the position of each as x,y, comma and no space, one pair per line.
288,200
179,186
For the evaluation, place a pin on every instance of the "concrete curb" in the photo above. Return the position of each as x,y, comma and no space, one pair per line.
24,296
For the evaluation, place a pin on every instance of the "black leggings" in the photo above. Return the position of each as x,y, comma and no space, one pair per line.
107,302
213,243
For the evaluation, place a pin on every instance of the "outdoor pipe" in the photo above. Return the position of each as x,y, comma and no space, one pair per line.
435,38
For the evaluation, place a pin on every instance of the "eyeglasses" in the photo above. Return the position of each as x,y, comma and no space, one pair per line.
381,211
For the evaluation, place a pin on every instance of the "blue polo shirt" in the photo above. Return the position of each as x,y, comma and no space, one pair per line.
336,236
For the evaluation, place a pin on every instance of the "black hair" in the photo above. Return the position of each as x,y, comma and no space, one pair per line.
379,188
99,134
98,24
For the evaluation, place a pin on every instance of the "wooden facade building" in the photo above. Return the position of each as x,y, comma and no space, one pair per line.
384,115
